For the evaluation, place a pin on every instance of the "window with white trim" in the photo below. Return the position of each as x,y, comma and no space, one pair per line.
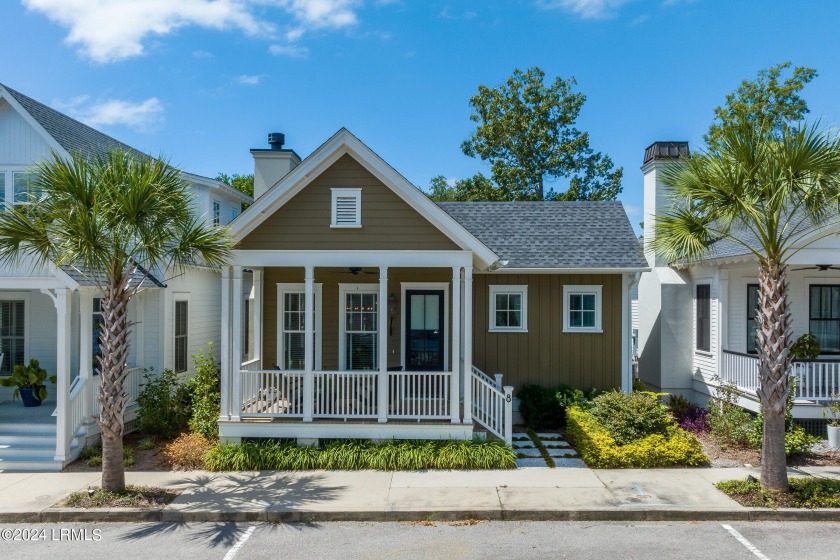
509,308
582,309
233,214
703,317
291,326
217,212
346,208
181,329
25,189
360,329
12,333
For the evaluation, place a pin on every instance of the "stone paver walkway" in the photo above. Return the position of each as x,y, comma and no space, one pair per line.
530,454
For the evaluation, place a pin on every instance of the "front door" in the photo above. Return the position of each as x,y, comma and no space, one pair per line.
424,330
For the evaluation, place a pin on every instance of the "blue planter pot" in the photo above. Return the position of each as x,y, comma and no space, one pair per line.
29,396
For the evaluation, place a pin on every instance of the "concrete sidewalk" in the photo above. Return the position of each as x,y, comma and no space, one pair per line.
524,494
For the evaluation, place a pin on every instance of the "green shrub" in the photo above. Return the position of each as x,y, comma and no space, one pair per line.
730,425
354,454
539,407
629,417
92,456
805,492
678,405
206,396
164,404
599,449
797,440
568,397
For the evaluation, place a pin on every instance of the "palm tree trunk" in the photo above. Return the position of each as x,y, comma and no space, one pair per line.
113,340
774,334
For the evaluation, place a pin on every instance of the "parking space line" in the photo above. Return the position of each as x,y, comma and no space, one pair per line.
245,536
741,539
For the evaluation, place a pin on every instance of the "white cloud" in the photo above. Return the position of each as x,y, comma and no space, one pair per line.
250,80
112,30
632,210
639,20
585,9
292,51
144,116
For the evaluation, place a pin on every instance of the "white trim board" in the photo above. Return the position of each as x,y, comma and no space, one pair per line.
405,286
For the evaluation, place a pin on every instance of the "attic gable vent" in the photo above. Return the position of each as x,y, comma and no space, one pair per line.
346,208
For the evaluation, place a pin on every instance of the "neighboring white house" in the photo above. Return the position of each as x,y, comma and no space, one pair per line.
49,313
696,321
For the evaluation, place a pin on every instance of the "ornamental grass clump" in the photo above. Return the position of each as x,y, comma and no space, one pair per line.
356,454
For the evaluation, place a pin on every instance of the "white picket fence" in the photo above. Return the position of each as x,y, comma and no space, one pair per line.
492,404
816,380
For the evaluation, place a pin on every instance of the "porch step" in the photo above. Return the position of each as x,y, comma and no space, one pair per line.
26,464
28,447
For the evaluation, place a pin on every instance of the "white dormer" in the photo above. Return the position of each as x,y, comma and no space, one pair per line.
346,208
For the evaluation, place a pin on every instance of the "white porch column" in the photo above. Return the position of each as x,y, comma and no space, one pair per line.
236,343
468,340
455,358
62,371
226,378
382,315
258,315
309,345
86,342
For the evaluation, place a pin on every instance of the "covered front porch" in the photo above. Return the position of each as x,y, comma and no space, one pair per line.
385,352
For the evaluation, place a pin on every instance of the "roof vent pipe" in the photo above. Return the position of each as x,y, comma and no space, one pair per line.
276,140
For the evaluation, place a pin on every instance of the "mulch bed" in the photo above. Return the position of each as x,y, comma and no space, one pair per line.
721,457
144,459
804,493
133,497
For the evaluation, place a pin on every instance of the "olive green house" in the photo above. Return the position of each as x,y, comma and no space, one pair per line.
355,306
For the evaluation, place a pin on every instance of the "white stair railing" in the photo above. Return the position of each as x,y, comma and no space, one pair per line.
492,404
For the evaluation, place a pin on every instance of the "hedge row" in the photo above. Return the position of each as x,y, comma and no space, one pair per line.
598,448
354,454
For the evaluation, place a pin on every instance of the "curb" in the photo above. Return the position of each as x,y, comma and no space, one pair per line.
96,515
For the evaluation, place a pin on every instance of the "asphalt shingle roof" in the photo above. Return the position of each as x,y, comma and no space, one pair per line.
72,135
136,275
552,234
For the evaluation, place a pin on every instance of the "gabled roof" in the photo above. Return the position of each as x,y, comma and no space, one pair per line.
75,137
340,144
553,235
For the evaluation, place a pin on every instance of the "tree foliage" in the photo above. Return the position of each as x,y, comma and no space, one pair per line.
527,133
771,101
242,183
475,188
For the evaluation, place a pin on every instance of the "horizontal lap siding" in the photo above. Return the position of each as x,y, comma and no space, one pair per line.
545,355
387,221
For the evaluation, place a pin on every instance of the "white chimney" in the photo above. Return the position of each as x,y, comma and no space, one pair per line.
272,164
657,155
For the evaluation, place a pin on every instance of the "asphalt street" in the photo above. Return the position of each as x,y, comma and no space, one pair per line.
430,539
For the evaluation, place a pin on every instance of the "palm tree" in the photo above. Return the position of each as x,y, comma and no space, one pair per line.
768,194
109,217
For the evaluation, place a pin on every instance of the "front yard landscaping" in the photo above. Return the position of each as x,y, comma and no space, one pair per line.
804,493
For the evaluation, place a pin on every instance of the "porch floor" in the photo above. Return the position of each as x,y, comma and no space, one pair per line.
13,412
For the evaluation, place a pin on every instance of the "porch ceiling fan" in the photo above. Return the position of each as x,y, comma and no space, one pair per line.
820,267
356,270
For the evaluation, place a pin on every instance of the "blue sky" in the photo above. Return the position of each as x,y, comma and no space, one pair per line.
202,81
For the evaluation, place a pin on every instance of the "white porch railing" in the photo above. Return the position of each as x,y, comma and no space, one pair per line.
817,380
421,395
346,394
492,404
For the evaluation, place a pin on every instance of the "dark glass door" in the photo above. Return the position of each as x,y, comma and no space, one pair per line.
424,330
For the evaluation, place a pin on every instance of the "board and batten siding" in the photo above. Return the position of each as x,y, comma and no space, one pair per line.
545,355
20,143
330,278
388,222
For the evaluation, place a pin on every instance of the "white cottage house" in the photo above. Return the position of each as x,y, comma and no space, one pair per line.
696,321
49,313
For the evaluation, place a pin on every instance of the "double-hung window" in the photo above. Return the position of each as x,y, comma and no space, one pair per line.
26,191
361,330
12,316
509,308
181,329
752,314
703,314
217,212
824,317
582,309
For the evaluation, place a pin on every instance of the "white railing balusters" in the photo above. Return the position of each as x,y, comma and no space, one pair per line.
816,380
491,404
